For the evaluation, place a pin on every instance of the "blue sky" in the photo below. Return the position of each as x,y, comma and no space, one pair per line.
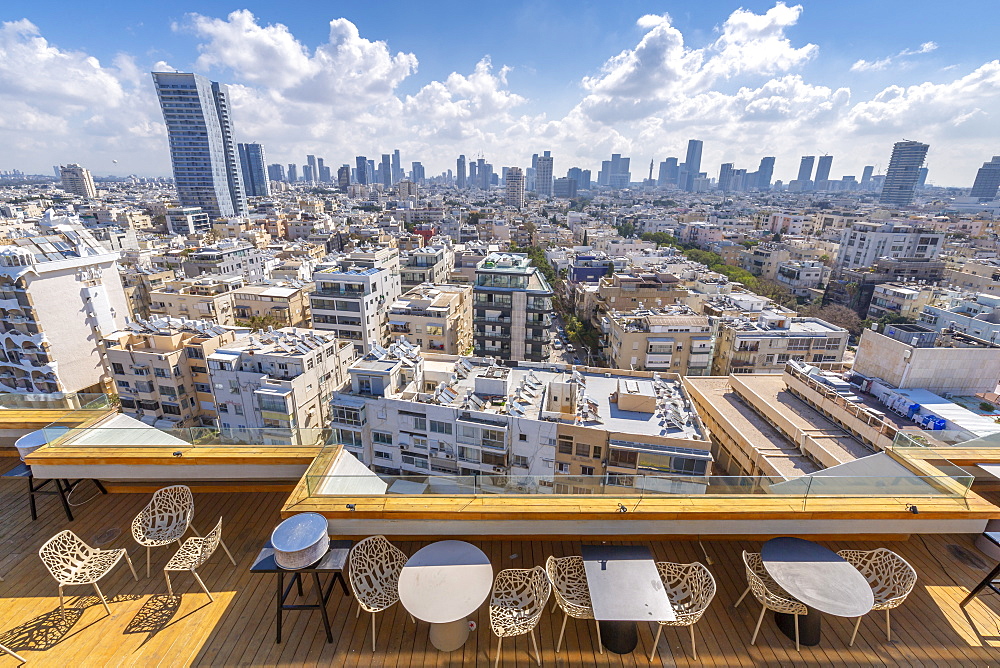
580,79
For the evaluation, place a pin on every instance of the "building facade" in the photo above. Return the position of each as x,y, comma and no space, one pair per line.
78,181
766,344
435,318
903,174
674,339
512,304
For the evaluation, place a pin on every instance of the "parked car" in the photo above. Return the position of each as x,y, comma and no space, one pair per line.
557,345
570,347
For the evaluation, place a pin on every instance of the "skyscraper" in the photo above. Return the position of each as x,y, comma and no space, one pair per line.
78,181
987,180
362,166
202,151
460,172
312,174
726,177
344,178
293,172
903,173
866,177
386,170
922,178
764,173
276,172
397,168
823,170
515,187
255,178
667,174
805,169
543,175
693,162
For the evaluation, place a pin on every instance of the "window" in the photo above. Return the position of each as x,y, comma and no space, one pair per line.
238,408
627,458
275,404
117,368
522,437
166,389
194,353
380,454
562,467
419,443
139,371
586,470
123,385
420,423
202,387
493,438
347,415
440,427
519,461
565,446
160,373
597,452
351,439
234,386
171,409
143,386
381,438
198,369
223,408
126,402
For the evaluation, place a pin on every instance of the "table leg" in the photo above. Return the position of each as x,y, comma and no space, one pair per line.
810,625
450,636
986,582
619,637
31,497
62,496
322,606
279,599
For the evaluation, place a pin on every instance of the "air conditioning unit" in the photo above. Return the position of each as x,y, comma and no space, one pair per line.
498,469
448,455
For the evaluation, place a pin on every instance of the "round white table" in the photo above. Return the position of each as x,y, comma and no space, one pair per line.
443,583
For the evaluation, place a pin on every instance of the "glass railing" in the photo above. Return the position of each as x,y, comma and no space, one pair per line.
68,401
185,437
954,485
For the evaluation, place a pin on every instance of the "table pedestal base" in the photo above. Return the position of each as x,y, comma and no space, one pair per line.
450,636
619,637
809,626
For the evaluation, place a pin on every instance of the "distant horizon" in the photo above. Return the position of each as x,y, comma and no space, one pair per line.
772,79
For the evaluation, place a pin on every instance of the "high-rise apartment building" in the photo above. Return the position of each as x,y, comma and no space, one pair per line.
615,172
386,170
276,172
866,177
460,172
515,187
343,178
312,174
693,162
362,169
823,171
202,151
397,168
987,180
764,173
60,292
726,177
417,173
255,179
903,173
543,175
806,169
512,304
293,172
77,181
667,175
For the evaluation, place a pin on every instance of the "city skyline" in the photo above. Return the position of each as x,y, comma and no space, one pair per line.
769,80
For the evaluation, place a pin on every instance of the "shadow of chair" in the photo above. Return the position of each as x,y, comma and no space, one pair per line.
154,616
41,633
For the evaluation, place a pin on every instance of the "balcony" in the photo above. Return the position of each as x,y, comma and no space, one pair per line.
481,333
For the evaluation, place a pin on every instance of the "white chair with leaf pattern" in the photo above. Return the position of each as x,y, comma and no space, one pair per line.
569,586
519,598
769,594
194,552
890,576
375,565
690,588
73,562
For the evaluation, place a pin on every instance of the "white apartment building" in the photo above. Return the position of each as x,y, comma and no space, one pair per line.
60,291
862,244
519,428
353,294
274,387
78,181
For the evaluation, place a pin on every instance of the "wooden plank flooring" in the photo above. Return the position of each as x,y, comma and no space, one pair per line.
148,628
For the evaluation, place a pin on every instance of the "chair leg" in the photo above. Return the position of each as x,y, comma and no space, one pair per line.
373,633
659,630
499,645
357,613
854,635
740,599
562,631
62,604
413,619
694,647
797,634
226,550
756,629
148,559
888,630
103,600
13,654
128,560
600,643
534,641
198,578
555,604
170,589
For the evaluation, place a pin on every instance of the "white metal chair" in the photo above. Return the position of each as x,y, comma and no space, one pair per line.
690,588
13,654
569,585
72,562
194,552
890,576
519,598
165,519
769,594
375,564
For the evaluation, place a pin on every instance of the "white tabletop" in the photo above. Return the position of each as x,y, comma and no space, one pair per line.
445,581
625,584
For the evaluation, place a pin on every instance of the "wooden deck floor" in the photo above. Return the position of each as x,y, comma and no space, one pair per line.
148,628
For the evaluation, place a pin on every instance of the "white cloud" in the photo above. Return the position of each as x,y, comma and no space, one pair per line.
863,65
745,92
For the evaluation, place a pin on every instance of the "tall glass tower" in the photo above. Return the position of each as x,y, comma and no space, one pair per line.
202,150
903,173
255,177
